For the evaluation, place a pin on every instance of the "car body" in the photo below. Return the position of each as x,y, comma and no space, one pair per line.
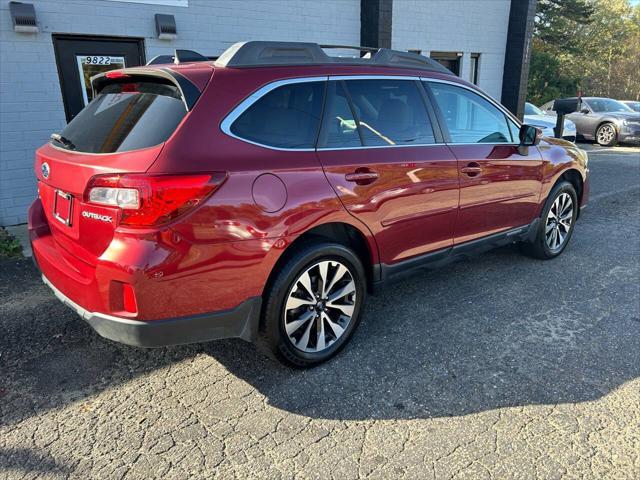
632,104
545,122
604,120
185,202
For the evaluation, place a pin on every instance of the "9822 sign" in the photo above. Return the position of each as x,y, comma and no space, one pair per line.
97,60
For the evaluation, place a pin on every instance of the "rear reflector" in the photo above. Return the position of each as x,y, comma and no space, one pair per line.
151,200
129,298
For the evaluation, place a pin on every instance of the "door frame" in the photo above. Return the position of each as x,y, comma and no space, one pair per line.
56,37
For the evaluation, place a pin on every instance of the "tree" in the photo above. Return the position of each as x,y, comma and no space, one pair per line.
556,21
546,80
591,45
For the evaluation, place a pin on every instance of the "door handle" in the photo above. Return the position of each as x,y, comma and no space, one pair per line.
362,176
472,169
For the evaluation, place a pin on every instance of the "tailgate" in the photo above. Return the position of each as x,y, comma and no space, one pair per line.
83,230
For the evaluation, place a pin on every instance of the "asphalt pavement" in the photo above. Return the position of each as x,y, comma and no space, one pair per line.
496,367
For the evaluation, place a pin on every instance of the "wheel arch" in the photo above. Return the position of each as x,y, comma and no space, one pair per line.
338,232
574,177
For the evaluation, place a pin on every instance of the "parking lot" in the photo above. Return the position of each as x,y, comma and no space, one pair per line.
497,367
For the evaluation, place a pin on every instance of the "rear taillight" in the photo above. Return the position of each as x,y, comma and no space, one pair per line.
150,200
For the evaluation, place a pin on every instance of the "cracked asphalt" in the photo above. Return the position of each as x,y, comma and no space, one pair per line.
496,367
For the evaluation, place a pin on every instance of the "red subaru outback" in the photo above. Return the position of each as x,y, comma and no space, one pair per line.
262,195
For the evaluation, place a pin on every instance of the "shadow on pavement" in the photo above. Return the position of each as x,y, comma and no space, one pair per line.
26,460
496,331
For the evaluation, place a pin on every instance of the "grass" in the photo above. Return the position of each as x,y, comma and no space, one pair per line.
9,246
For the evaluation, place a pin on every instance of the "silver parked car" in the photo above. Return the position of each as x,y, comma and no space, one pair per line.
546,122
604,120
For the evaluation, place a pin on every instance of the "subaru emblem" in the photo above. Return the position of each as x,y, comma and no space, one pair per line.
45,170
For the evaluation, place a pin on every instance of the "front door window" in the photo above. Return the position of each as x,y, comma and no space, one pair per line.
469,117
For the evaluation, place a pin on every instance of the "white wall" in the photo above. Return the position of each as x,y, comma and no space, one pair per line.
468,26
30,98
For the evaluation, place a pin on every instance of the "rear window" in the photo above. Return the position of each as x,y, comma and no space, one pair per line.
287,117
125,116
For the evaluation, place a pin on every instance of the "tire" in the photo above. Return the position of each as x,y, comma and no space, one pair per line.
545,244
606,135
302,331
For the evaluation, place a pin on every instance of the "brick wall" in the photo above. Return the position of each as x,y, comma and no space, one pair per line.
30,97
467,26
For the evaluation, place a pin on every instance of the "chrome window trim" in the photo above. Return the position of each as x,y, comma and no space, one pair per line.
440,144
374,77
231,117
367,147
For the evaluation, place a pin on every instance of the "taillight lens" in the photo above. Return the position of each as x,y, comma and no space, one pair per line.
150,200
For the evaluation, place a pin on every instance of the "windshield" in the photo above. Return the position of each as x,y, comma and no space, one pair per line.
531,109
633,106
124,116
607,105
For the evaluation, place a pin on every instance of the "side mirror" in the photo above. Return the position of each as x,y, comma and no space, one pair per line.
529,135
585,111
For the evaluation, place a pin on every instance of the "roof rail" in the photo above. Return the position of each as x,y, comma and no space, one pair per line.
264,53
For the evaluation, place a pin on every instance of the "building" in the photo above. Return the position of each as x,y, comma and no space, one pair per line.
50,48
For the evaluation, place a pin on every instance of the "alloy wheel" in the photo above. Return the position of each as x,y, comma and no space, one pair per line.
606,134
320,306
558,224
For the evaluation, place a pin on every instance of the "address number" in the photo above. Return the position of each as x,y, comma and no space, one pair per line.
97,60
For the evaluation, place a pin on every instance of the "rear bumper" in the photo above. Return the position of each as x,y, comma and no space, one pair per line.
239,322
187,293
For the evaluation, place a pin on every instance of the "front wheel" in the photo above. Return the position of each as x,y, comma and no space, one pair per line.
556,223
314,304
606,135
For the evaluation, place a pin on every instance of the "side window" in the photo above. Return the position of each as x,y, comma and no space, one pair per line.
469,117
287,117
390,112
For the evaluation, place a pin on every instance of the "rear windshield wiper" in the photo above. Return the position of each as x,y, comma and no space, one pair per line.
63,140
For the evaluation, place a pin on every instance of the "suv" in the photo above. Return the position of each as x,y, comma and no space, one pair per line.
265,194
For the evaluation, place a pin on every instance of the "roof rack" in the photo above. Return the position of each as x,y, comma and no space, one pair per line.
264,53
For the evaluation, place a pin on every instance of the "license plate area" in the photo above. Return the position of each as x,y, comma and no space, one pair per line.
63,207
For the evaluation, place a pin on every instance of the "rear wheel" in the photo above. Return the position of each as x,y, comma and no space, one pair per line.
556,223
314,304
606,135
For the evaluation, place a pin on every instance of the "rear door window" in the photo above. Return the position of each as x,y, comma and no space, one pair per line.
390,112
286,117
125,116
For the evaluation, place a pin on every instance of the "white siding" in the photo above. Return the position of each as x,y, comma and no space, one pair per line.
467,26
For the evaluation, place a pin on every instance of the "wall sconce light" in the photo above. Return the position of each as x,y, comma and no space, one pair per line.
166,27
23,16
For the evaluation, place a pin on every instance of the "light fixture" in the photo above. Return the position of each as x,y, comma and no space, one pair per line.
23,16
166,27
